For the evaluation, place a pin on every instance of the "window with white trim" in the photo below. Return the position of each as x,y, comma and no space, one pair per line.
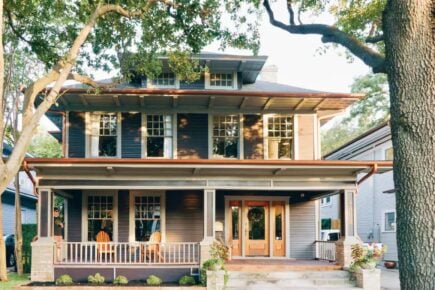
165,80
390,221
100,215
104,135
225,136
147,216
158,136
279,136
325,201
221,80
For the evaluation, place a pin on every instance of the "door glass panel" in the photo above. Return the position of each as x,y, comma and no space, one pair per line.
257,222
235,222
278,222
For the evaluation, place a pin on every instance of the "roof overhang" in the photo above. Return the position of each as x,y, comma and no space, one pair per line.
256,174
143,99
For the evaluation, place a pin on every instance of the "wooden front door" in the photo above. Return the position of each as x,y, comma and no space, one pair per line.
256,221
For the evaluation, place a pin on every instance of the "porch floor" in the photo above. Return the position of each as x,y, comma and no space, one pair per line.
280,265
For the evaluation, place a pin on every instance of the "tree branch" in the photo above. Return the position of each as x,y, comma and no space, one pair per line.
375,39
291,12
90,82
331,34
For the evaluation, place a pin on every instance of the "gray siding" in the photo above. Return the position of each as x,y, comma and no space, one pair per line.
131,135
75,217
76,135
196,85
302,230
123,215
184,216
253,136
192,132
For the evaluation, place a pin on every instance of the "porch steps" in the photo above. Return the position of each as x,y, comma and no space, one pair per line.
291,280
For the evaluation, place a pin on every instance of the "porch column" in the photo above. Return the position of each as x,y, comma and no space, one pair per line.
43,248
209,219
348,227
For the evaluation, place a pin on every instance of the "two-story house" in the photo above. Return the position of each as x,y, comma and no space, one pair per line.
226,157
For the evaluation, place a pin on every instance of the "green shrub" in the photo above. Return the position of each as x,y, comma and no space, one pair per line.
64,280
29,232
96,279
186,280
154,280
120,280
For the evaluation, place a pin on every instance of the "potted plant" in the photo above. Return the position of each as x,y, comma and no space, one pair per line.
363,266
390,264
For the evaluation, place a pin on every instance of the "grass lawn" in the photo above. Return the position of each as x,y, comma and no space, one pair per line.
13,280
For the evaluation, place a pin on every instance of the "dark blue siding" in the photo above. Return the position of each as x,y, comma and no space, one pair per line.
76,136
123,216
196,85
239,80
75,217
131,143
192,132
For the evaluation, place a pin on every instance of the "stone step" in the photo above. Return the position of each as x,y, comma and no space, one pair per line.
291,283
274,287
289,275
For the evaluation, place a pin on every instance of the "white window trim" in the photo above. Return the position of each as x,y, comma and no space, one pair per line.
85,195
326,203
240,151
144,136
90,139
151,85
266,136
383,221
208,86
132,195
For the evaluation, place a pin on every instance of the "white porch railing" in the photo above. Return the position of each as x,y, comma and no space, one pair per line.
325,250
140,253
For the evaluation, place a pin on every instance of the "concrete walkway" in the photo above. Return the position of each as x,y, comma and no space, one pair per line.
390,279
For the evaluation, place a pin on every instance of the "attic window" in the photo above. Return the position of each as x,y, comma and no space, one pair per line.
165,80
221,80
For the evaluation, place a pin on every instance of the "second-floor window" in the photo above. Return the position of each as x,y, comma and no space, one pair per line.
279,137
165,80
158,137
105,133
225,136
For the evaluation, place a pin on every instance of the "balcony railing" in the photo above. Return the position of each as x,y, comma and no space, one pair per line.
135,253
325,250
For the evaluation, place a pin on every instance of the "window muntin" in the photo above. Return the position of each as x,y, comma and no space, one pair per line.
165,80
107,141
225,136
147,216
158,136
280,137
390,221
100,216
221,80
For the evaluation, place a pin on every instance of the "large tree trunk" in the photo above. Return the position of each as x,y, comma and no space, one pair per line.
3,270
18,228
410,56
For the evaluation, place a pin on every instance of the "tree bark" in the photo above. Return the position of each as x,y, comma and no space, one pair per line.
3,270
18,228
410,55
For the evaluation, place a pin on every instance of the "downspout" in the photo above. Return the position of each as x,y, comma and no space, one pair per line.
371,172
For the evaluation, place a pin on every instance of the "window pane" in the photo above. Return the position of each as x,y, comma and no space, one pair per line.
155,146
280,137
100,216
107,146
235,222
226,136
149,221
389,221
257,222
278,222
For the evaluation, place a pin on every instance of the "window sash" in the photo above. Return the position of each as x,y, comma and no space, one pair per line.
226,136
221,80
279,136
390,220
158,129
165,80
100,213
104,131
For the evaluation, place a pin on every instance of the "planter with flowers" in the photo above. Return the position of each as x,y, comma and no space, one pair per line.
363,267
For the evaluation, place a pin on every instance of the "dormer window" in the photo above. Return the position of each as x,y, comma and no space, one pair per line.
164,80
105,128
221,81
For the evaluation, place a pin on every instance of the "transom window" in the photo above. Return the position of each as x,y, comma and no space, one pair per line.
280,137
221,80
104,139
226,136
390,221
165,79
146,216
158,136
100,216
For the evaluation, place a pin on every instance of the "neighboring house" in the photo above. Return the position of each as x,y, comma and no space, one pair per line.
27,197
376,201
225,157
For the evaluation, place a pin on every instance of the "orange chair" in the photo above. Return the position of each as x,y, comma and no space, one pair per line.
153,250
103,247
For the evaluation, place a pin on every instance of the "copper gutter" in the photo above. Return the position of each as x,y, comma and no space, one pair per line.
314,95
372,171
372,164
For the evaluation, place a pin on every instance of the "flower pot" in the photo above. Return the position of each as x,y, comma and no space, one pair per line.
390,264
368,265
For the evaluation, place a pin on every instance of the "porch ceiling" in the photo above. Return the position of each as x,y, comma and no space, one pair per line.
199,173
